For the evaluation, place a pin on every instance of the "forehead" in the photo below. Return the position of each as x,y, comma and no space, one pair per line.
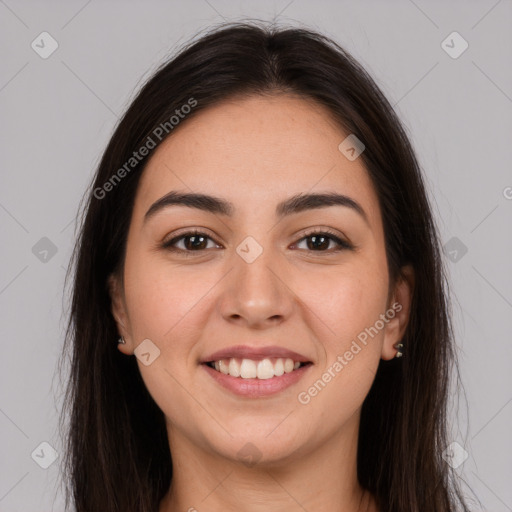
254,152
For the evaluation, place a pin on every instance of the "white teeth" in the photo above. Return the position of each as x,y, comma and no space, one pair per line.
224,368
279,368
250,369
234,368
265,369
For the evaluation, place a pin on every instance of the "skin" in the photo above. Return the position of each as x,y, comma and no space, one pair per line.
256,152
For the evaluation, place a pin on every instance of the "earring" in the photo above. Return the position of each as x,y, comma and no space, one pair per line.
399,347
121,340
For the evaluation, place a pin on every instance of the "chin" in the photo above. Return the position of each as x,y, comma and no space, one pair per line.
257,449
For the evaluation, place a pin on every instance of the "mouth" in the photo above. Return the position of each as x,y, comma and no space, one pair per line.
256,372
261,369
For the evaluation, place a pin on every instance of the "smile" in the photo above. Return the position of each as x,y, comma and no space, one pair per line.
256,379
267,368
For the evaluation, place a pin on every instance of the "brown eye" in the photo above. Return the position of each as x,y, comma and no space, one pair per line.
318,241
193,241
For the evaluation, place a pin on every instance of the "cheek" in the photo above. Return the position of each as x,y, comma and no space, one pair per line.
161,296
349,301
165,306
352,344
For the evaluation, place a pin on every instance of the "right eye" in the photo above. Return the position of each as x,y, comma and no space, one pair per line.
194,241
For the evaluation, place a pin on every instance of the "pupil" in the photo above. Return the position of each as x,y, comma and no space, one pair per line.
315,238
196,244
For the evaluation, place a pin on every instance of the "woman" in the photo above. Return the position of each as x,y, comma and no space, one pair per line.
257,253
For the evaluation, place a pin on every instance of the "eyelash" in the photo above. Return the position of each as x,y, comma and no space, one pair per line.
343,245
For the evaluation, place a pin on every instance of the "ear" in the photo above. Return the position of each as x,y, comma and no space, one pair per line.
398,312
118,308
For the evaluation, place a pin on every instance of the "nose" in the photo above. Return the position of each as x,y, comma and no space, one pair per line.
256,294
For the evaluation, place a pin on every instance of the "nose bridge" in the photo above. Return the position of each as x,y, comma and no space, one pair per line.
257,292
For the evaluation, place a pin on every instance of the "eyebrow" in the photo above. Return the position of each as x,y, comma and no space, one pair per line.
216,205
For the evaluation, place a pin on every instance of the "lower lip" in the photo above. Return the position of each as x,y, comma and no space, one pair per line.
257,388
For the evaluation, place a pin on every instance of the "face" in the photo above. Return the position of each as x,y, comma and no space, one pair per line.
307,281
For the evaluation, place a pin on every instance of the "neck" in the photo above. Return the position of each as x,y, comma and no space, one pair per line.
322,478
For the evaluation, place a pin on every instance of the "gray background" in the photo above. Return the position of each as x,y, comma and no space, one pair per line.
58,113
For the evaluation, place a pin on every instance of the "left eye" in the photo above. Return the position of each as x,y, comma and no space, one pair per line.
196,241
321,239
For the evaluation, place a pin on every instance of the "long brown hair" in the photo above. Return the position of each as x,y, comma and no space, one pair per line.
117,452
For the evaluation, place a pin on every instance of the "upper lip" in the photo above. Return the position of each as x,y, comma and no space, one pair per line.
255,353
